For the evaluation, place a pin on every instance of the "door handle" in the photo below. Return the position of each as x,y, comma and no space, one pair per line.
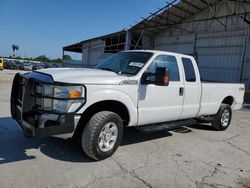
181,91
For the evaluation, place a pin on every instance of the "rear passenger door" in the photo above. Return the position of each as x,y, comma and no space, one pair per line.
192,88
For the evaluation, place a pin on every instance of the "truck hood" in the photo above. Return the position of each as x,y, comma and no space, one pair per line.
84,76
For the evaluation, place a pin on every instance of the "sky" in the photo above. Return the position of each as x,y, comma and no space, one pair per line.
43,27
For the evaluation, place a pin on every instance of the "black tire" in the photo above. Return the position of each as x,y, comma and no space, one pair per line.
92,130
217,123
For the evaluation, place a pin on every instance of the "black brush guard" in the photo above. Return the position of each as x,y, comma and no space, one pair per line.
26,112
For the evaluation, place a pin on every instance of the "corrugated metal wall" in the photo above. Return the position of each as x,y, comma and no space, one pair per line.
219,55
182,43
221,47
93,53
246,68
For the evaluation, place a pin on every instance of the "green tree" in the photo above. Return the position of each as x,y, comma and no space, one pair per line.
67,57
14,49
42,58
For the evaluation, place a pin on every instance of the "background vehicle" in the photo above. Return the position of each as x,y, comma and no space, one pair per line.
27,66
6,64
152,90
10,65
37,66
1,64
18,65
46,65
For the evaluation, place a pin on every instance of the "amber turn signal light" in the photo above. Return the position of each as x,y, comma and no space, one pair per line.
74,94
165,80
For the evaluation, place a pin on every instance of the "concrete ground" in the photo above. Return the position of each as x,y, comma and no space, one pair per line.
196,156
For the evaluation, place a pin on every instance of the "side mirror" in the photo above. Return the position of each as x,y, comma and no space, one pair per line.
145,78
161,77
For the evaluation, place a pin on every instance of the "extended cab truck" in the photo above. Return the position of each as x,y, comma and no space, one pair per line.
153,90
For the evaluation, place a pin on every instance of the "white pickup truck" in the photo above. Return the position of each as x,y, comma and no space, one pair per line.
152,90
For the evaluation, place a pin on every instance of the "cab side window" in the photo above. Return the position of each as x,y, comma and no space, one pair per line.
189,69
165,61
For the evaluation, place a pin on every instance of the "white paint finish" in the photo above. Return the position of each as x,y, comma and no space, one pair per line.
84,75
213,94
148,104
126,94
192,92
159,103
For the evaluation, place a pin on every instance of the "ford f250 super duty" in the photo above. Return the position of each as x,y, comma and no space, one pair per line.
152,90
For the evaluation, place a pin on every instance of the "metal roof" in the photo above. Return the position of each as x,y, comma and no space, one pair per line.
77,47
179,11
171,15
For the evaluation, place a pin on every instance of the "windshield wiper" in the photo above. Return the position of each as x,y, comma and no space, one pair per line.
127,73
108,69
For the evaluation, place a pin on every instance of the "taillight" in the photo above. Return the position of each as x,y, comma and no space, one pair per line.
242,89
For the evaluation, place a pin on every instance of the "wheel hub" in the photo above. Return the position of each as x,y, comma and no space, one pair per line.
225,117
108,137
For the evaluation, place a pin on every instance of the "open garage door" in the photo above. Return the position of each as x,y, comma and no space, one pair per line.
220,55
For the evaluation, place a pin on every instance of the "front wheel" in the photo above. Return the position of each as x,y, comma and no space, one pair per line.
223,118
102,135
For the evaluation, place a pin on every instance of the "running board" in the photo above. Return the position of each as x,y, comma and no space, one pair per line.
165,126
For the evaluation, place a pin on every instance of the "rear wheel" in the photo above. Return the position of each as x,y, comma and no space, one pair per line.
223,118
102,135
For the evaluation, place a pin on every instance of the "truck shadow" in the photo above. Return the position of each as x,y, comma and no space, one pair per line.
133,136
15,147
202,126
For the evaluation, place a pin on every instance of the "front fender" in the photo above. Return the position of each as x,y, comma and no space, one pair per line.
99,95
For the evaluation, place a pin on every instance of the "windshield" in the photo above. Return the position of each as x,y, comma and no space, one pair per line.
128,63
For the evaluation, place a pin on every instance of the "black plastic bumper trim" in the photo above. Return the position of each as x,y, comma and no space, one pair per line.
32,132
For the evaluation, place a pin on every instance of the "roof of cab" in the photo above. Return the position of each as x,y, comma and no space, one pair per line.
160,52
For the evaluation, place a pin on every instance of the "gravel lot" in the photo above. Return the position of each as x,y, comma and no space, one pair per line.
196,156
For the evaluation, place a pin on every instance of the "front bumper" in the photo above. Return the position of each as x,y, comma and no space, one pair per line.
36,122
30,131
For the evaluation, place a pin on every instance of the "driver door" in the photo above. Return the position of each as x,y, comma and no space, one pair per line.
161,103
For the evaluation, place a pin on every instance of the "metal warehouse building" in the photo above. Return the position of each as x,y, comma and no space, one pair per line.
215,32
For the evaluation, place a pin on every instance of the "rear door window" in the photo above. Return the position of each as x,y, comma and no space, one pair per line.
188,69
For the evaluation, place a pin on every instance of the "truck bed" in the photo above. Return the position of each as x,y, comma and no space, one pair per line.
213,93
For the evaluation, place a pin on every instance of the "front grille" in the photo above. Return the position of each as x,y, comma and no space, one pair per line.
30,96
23,100
28,111
17,96
21,88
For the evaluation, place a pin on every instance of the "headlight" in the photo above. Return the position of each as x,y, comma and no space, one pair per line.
72,92
69,98
60,98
